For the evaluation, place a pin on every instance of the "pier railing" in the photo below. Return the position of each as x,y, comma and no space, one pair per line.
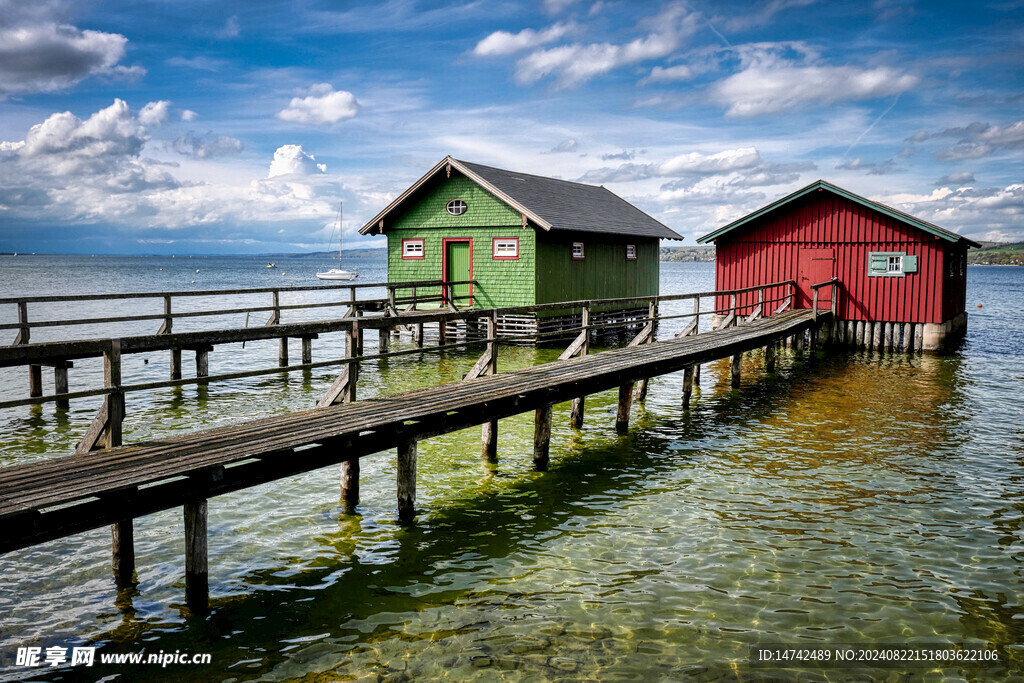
479,328
413,293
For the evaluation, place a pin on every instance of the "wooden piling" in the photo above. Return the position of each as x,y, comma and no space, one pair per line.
383,335
418,334
876,337
887,337
349,485
307,350
687,385
918,337
35,380
197,583
175,363
60,382
203,363
489,442
407,481
908,337
122,545
769,357
542,437
282,352
625,402
736,369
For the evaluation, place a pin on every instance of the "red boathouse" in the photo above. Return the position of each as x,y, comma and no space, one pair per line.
902,281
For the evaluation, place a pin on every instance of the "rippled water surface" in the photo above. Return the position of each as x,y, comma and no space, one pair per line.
848,498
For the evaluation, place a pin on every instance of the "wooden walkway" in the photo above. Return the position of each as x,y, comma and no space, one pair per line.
61,496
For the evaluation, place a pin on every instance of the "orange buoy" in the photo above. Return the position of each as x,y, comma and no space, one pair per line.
979,305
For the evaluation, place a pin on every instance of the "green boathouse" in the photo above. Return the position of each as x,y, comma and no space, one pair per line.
523,239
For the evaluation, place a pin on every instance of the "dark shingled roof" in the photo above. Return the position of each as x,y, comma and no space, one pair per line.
551,204
566,205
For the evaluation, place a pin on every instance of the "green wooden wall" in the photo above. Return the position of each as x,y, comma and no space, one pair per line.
604,273
544,271
501,282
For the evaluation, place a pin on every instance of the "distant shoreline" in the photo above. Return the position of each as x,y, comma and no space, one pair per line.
990,254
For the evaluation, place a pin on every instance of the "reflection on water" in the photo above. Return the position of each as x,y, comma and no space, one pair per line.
848,498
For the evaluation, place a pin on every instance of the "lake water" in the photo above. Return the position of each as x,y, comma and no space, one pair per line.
849,498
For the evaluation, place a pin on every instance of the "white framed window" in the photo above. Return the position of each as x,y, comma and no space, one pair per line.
505,248
577,251
891,263
456,207
412,249
631,252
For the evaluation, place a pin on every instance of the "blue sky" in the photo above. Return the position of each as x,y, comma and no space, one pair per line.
231,127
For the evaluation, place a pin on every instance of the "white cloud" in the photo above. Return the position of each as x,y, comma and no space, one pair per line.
37,54
505,43
188,115
721,162
984,212
772,81
658,74
292,160
959,178
231,28
323,105
556,6
572,65
976,140
750,17
154,114
96,171
206,146
568,145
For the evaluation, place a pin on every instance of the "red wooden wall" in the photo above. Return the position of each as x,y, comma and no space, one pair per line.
767,249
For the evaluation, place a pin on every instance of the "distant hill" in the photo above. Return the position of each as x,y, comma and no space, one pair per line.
695,254
997,254
361,254
990,254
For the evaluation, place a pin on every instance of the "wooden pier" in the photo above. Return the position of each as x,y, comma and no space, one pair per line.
106,483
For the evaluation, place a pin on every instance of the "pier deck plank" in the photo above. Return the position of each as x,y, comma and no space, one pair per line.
60,496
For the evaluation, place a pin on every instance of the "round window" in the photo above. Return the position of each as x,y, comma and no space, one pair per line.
456,207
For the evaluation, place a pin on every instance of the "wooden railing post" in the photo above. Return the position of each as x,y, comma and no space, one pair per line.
696,330
652,315
578,403
168,324
814,305
352,350
24,331
122,532
167,327
489,430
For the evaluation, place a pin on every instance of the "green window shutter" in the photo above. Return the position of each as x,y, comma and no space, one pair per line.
877,263
909,264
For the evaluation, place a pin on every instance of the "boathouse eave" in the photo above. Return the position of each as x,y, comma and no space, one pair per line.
823,185
455,163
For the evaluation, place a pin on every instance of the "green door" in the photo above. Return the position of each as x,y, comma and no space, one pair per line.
458,268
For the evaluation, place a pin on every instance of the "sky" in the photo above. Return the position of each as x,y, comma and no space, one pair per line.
178,126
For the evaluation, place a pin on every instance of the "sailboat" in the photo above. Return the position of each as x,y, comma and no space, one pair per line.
338,273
